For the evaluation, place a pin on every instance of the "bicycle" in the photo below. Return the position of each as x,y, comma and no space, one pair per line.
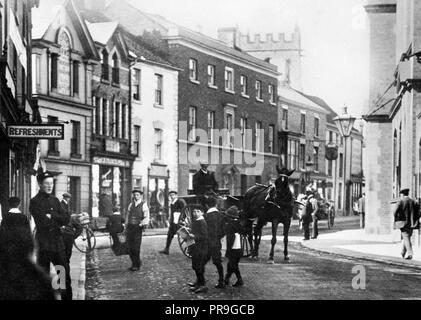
86,241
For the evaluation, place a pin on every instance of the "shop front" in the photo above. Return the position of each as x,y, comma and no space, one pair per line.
111,185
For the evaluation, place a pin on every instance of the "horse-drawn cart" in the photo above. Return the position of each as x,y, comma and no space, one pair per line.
224,202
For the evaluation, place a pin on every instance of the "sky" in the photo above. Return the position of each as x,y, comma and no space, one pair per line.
334,37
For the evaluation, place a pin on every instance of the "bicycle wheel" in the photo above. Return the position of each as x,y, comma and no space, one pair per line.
183,247
86,242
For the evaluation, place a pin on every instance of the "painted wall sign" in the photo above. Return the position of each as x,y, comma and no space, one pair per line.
112,162
63,85
36,131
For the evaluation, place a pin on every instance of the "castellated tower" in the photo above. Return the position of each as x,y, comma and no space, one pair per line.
378,166
281,50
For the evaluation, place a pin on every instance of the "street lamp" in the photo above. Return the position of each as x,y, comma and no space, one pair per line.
345,123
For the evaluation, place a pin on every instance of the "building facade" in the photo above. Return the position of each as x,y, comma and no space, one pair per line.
282,50
220,88
64,56
393,116
17,157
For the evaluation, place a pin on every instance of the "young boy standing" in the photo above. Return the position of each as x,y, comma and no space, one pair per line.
199,249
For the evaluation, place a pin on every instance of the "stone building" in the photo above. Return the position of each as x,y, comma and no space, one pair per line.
220,88
393,115
17,157
64,56
282,50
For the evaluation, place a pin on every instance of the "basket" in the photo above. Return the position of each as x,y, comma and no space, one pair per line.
121,248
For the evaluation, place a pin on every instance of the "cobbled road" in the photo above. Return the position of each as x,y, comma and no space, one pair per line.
309,275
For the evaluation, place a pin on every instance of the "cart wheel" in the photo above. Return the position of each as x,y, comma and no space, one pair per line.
183,246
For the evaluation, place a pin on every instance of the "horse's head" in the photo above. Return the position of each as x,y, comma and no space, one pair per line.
282,182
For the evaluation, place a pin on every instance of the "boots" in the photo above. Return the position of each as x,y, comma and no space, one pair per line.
227,279
239,282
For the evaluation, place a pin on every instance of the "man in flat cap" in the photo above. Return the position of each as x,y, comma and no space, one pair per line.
49,218
407,215
137,220
176,209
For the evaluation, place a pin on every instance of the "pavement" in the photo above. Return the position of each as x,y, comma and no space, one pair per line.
346,243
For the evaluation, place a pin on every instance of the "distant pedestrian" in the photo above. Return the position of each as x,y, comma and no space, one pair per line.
215,223
115,226
361,210
20,278
407,217
68,231
314,215
234,251
306,217
49,218
199,249
177,207
105,206
137,220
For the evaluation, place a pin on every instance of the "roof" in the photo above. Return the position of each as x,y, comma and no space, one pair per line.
103,31
289,95
332,114
40,21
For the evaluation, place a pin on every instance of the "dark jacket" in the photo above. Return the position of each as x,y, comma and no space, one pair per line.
115,223
200,231
178,206
105,206
203,182
408,211
48,233
215,224
66,207
231,228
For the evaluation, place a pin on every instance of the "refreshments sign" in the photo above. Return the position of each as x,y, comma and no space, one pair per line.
36,131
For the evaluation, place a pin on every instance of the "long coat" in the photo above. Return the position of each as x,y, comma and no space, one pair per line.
215,223
408,210
203,182
48,234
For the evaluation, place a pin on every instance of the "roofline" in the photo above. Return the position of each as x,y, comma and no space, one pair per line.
301,105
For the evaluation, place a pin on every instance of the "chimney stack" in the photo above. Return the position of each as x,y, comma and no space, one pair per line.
230,36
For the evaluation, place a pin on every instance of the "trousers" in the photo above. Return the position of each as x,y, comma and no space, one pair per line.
68,246
134,241
315,229
214,253
172,231
45,258
233,262
407,245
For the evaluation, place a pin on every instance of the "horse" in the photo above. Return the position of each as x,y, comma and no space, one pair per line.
269,204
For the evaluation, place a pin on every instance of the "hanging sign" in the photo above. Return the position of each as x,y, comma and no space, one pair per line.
36,131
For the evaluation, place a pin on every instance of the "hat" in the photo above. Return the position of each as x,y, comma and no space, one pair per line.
67,195
172,192
44,175
137,191
404,191
232,213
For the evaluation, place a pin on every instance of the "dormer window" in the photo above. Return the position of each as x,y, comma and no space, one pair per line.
116,70
105,75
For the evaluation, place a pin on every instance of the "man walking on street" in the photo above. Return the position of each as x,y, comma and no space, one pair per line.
361,210
49,218
315,208
176,208
216,225
137,220
407,217
306,217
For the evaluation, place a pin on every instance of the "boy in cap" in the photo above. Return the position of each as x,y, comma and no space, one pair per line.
176,208
199,249
49,218
137,220
234,252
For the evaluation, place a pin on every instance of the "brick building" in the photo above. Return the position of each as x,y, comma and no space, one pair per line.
219,88
393,121
17,157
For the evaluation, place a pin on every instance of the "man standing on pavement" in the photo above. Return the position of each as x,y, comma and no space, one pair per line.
216,225
49,218
407,217
136,222
68,231
361,210
176,208
306,217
